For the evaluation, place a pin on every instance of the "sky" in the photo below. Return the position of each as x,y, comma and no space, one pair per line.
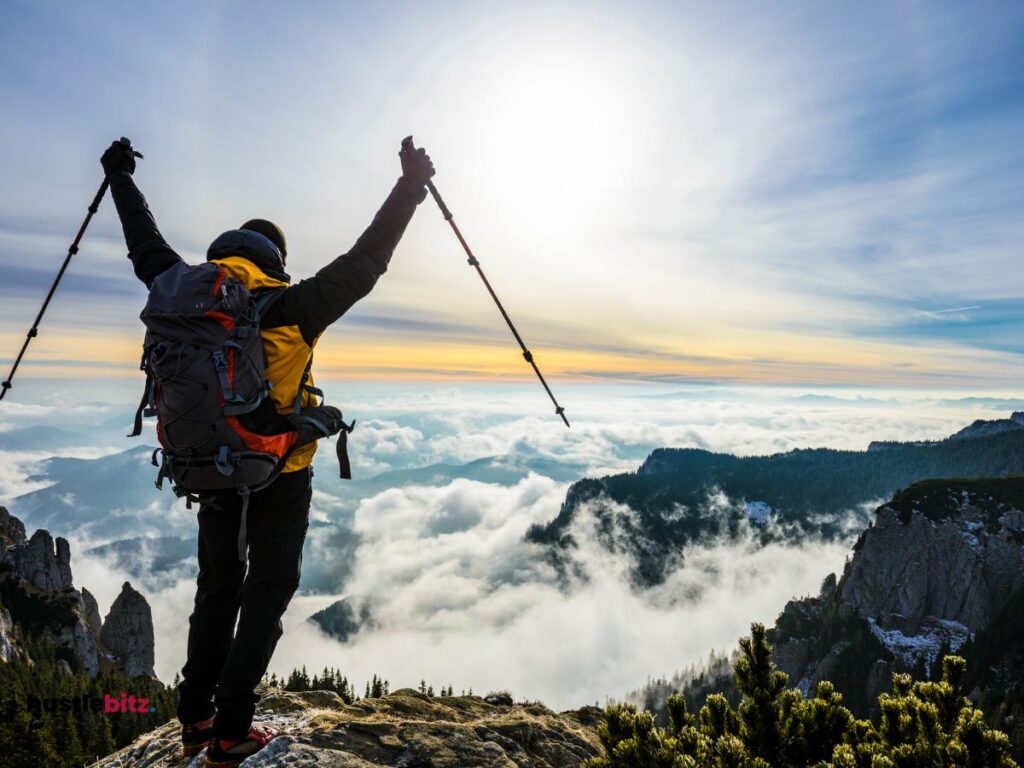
798,193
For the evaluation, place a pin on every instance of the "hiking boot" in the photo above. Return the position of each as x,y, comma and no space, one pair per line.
195,736
228,753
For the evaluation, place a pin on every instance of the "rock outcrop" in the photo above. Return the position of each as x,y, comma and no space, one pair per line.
8,649
406,728
939,565
127,632
12,530
36,578
93,622
76,635
43,566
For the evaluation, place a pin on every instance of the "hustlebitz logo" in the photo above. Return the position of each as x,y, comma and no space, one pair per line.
110,704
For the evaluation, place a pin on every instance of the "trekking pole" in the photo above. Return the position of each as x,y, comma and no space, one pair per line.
34,331
407,146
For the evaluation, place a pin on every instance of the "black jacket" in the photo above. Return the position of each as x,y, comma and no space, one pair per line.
313,303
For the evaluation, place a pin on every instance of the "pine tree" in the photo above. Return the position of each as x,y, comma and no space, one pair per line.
761,685
377,688
921,724
70,743
103,737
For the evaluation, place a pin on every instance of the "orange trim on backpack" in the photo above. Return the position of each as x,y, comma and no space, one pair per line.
219,281
221,317
278,445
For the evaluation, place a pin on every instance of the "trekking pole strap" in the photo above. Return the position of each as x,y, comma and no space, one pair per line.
475,263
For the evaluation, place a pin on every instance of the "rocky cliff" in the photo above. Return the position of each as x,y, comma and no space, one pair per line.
38,598
406,728
937,572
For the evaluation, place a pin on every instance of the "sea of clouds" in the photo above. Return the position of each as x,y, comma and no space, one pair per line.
438,556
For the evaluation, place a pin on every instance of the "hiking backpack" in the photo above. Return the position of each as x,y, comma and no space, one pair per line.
205,382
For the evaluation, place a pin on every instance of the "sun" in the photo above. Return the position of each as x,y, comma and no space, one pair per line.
560,131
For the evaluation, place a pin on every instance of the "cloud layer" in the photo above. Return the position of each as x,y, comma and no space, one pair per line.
434,545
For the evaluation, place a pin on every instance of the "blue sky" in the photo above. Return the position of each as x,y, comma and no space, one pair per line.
791,193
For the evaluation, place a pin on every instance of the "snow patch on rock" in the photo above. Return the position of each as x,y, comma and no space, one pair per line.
935,636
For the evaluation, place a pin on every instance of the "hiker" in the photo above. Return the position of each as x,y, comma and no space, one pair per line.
217,698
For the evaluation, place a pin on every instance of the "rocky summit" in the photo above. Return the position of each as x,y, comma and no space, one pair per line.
406,729
940,570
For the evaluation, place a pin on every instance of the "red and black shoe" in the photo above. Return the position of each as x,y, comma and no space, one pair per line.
228,753
195,737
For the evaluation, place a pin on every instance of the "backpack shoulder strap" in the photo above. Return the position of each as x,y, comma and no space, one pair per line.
264,300
304,387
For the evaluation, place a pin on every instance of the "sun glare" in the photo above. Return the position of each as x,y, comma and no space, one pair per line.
562,128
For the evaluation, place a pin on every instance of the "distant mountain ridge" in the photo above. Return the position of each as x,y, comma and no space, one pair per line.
680,496
979,428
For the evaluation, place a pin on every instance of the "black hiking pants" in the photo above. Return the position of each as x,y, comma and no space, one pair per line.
224,663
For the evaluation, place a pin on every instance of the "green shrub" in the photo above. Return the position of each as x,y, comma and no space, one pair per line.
922,725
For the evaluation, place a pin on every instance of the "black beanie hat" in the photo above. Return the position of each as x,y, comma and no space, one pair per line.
271,231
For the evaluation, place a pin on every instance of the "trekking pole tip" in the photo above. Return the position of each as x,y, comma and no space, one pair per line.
561,412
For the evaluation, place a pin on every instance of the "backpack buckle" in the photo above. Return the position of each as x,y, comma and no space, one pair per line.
225,461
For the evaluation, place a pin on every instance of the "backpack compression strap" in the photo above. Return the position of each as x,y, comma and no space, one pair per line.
324,419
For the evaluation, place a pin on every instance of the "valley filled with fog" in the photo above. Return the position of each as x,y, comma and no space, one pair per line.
427,545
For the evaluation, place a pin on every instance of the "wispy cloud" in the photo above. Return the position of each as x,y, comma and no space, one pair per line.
759,192
953,309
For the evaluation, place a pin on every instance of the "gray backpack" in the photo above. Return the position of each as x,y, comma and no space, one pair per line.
205,382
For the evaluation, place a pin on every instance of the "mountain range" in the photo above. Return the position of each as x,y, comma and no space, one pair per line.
683,496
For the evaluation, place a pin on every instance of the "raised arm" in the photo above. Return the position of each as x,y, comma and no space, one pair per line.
149,252
315,303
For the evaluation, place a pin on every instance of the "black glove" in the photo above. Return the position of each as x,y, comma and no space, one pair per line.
416,165
118,157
